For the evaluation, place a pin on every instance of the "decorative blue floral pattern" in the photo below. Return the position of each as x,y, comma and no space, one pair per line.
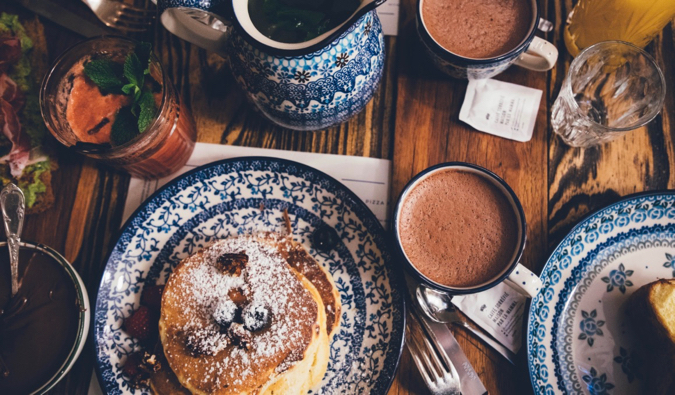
627,363
590,327
244,195
317,90
618,278
642,223
670,262
597,385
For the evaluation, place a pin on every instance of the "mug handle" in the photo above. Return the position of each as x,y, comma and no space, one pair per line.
541,55
197,23
524,281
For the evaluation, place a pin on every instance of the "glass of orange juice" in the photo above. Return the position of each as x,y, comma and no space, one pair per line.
633,21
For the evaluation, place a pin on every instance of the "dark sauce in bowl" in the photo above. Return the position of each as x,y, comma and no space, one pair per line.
296,21
39,325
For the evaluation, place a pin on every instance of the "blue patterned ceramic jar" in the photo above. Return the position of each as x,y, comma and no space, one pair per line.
303,86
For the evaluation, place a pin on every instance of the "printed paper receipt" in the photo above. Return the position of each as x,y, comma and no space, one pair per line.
499,311
506,314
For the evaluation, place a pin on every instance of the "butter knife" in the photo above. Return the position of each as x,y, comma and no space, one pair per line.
62,17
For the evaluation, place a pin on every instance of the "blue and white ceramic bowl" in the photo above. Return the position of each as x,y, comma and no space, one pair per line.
317,90
225,198
579,340
303,86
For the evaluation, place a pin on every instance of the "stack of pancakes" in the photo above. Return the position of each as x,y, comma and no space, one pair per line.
246,315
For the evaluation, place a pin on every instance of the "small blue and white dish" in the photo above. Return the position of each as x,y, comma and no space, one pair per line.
243,195
579,339
309,85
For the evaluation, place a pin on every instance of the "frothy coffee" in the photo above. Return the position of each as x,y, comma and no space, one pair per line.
477,28
457,228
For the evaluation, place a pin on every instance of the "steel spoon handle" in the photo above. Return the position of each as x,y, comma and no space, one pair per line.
497,346
13,206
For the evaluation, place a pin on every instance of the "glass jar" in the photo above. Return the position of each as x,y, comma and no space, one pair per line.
165,145
633,21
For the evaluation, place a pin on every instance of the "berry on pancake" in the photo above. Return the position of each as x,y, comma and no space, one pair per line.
142,324
225,312
255,317
152,296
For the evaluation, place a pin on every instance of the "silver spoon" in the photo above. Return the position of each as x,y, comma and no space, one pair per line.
13,209
438,306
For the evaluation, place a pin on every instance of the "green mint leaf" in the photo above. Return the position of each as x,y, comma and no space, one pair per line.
105,73
143,51
137,95
128,89
125,127
133,70
148,110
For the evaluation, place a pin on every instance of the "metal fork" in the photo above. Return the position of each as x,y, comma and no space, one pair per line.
122,16
437,370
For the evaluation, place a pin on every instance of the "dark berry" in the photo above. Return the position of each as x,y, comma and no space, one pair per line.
240,336
142,324
225,312
205,342
132,366
152,296
325,238
232,264
255,317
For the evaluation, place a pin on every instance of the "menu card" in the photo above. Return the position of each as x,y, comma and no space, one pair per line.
388,13
368,178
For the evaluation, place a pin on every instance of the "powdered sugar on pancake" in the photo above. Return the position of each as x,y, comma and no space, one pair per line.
266,280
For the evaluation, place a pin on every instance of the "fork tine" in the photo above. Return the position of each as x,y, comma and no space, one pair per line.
137,10
426,357
415,353
434,357
135,18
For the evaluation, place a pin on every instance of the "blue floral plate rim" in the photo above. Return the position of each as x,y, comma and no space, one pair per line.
396,274
532,318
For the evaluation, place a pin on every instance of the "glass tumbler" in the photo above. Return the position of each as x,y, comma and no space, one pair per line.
612,87
163,148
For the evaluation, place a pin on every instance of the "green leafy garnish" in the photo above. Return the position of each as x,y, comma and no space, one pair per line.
128,79
135,74
299,20
105,73
125,127
147,110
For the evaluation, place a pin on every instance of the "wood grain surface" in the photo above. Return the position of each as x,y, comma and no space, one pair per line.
412,120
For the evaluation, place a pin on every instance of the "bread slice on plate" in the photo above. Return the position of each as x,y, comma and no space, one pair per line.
651,310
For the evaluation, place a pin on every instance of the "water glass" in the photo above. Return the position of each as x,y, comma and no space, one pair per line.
612,87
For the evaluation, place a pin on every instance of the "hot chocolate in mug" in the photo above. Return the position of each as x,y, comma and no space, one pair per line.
509,270
531,52
305,85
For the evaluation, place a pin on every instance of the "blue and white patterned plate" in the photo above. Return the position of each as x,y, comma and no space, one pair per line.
225,198
579,340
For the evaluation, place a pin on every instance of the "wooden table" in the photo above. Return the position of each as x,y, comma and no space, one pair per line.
413,121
